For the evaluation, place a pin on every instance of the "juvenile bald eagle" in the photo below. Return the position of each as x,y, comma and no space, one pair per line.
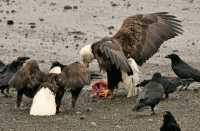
27,80
73,77
138,39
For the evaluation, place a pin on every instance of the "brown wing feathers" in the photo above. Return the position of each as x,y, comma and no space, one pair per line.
141,35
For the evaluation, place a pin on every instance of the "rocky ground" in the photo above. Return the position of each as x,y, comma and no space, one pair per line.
48,30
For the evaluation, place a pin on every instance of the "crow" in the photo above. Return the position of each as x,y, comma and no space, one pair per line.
169,84
151,94
169,123
182,69
2,65
7,72
27,80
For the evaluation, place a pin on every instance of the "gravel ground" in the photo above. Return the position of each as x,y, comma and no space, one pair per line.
48,30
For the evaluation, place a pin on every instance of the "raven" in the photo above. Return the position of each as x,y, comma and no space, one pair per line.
151,94
182,69
169,84
2,65
169,123
7,72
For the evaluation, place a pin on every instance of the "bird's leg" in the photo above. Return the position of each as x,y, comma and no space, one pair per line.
166,95
152,109
75,93
187,85
181,88
59,97
19,97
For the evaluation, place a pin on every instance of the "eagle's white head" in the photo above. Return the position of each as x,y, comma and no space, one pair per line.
86,55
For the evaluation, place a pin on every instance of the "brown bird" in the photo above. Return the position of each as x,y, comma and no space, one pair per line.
27,80
73,77
139,38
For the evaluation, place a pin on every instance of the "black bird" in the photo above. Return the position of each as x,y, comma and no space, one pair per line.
169,84
182,69
151,94
169,123
8,71
2,65
73,77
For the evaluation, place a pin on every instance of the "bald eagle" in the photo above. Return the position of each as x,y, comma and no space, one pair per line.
139,38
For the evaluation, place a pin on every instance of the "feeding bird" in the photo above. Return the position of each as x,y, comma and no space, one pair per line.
151,94
169,84
47,99
139,38
7,72
27,80
169,123
182,69
73,77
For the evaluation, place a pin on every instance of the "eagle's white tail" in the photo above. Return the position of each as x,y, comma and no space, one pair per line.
56,70
43,103
131,81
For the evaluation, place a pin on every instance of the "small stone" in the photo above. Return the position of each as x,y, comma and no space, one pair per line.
15,50
93,123
82,117
77,45
78,112
175,50
150,119
185,9
89,109
113,4
75,7
118,126
33,26
67,7
193,43
66,46
26,35
13,11
10,22
128,5
111,27
41,19
41,61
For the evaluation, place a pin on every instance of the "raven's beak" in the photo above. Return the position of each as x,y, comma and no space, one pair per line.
23,58
167,56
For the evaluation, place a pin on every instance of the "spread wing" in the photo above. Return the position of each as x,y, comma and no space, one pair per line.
109,53
141,35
